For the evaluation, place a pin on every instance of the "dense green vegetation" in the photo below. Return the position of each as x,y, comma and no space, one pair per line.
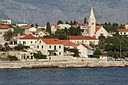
39,55
65,33
12,58
111,27
21,47
116,46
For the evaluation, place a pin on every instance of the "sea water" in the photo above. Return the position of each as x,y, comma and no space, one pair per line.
69,76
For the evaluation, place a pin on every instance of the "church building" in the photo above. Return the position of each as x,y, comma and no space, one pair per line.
94,29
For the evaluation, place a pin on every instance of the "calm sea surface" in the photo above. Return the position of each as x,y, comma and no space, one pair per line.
72,76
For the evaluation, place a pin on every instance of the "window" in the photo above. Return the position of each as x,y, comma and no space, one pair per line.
42,46
50,46
59,46
40,41
24,42
59,53
54,47
37,46
35,41
31,41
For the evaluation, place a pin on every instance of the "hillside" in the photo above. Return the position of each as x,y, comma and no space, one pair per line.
41,11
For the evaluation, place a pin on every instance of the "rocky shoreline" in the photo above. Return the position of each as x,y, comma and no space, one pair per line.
61,64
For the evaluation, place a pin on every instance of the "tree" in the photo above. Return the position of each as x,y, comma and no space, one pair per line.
20,47
97,53
101,41
8,35
61,34
75,31
111,27
39,55
60,22
12,58
67,22
18,30
48,28
85,20
6,46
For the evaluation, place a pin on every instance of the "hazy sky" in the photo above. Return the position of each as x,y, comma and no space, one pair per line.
41,11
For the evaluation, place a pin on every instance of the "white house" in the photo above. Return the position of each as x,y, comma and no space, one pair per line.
28,40
85,50
8,21
124,30
51,47
54,27
101,31
87,40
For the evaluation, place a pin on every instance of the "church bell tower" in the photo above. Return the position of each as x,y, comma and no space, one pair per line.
92,23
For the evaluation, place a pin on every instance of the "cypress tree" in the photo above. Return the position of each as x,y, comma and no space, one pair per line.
48,28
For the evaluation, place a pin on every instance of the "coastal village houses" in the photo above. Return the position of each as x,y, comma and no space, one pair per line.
51,47
27,40
34,38
123,30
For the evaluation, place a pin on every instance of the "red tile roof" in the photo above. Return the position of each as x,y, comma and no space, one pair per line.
68,43
5,26
82,38
29,36
51,41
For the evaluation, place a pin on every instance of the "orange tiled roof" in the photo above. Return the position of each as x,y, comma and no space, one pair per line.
5,26
52,41
68,43
82,38
29,36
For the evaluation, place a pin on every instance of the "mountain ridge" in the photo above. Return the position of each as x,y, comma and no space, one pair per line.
41,11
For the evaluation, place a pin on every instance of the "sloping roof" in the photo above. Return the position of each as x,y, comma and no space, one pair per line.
5,26
123,30
68,43
52,41
28,36
82,38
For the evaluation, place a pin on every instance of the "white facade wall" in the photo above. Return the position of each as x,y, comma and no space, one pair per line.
45,48
86,42
102,31
123,33
27,42
83,51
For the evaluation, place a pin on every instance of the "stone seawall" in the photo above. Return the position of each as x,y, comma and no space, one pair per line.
62,64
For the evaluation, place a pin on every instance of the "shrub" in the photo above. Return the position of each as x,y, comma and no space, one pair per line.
39,55
12,58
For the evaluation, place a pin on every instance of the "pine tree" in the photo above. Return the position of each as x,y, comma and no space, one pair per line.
48,28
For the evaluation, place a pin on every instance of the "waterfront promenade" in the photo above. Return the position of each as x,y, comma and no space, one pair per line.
80,62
